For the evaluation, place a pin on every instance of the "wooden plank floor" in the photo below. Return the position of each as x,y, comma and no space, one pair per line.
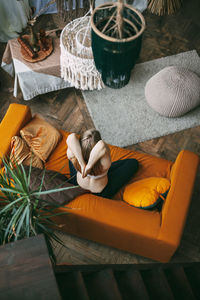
66,109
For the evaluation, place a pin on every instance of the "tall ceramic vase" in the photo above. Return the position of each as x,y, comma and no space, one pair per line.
117,30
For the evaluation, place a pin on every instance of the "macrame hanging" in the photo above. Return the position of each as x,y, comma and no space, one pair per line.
77,63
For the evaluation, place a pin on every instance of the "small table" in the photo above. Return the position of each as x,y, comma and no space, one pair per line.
26,272
34,78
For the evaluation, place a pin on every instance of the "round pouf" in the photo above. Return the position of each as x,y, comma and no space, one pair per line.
173,91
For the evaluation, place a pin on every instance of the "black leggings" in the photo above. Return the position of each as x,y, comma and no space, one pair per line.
119,173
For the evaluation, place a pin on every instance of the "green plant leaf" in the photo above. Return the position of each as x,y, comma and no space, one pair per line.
8,206
53,190
9,230
44,228
53,215
20,224
24,213
24,178
28,222
10,173
29,171
4,198
51,234
11,190
42,182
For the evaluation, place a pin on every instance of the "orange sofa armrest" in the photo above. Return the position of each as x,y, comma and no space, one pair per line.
175,209
15,118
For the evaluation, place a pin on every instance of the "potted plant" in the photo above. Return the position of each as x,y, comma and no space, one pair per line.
23,211
116,41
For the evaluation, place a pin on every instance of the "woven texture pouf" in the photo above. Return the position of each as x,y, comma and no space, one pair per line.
173,91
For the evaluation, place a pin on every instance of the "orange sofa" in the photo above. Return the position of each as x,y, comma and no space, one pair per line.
115,223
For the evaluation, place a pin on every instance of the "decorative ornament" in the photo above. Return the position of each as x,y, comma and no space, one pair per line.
77,62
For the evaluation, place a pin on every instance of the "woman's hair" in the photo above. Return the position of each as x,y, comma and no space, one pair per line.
87,141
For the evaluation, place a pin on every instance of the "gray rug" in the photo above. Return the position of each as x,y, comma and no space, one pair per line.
124,117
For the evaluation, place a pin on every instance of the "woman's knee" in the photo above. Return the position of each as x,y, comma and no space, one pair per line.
133,165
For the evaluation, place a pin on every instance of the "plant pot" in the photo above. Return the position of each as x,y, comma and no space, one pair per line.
115,57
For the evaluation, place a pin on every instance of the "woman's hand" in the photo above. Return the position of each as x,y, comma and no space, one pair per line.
83,167
86,171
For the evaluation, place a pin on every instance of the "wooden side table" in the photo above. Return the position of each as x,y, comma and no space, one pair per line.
26,271
33,78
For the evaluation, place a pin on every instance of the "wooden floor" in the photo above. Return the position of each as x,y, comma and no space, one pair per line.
66,109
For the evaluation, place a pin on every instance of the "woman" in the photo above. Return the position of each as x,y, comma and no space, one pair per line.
91,167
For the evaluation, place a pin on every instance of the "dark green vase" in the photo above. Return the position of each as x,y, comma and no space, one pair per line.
115,58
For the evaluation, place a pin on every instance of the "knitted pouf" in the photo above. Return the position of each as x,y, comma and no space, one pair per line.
173,91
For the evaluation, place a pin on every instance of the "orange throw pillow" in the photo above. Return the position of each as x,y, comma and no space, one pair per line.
21,153
41,137
146,193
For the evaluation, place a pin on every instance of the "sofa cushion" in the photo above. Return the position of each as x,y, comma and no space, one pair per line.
15,118
41,137
146,193
100,219
149,165
58,160
21,153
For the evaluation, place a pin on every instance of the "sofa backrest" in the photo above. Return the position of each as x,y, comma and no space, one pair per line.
15,118
175,209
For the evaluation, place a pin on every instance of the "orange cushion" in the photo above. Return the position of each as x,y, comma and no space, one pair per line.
58,160
41,137
21,153
15,118
149,165
145,193
95,212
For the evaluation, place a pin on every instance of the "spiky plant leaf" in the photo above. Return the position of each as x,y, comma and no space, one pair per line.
24,213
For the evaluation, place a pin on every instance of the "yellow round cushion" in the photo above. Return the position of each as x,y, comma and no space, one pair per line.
146,193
